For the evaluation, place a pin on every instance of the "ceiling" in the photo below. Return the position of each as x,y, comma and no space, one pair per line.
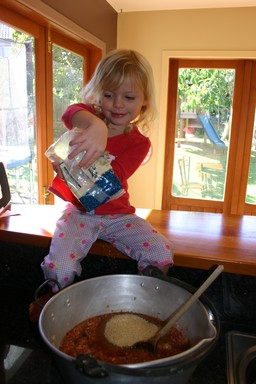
154,5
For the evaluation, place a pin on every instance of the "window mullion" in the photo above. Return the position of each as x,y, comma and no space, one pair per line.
41,107
167,202
248,142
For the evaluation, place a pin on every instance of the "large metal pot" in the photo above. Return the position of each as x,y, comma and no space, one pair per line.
141,294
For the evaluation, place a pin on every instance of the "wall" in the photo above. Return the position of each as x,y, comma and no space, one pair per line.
96,17
157,34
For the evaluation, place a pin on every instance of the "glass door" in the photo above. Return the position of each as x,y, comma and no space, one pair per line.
203,129
210,136
42,70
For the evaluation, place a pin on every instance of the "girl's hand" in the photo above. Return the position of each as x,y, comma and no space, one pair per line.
92,138
57,169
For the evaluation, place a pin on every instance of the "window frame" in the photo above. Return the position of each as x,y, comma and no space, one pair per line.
46,33
240,141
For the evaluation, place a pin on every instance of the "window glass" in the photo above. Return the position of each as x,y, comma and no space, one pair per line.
17,113
67,84
203,123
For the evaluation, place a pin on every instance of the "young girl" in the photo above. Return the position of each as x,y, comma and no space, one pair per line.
118,99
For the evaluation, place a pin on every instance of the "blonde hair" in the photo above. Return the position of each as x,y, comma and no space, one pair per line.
110,74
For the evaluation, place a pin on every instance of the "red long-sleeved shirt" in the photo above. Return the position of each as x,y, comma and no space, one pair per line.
128,151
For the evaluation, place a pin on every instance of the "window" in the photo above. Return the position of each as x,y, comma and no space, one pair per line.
42,71
17,113
210,140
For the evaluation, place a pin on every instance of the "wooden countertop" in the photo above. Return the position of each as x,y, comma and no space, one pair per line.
200,239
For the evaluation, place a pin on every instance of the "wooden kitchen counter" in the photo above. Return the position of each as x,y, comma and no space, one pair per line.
200,239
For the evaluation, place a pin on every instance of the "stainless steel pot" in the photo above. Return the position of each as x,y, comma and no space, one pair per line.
141,294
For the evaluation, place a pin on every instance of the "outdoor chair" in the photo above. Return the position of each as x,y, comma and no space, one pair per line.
213,176
186,184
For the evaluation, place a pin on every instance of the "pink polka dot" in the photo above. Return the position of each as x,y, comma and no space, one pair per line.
83,242
146,244
81,225
66,278
52,265
128,225
154,231
61,235
167,246
72,256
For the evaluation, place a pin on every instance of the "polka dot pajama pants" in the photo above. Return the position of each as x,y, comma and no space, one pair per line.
76,231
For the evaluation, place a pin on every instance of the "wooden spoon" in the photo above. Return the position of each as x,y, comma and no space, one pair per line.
151,344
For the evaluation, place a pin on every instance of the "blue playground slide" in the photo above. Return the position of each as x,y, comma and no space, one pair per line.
211,132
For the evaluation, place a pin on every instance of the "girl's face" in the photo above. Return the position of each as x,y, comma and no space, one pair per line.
124,104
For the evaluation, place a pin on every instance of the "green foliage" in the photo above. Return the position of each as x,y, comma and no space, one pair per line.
67,81
20,37
68,75
67,69
206,90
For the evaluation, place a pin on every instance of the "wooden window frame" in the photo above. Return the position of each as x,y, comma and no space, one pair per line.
46,32
244,102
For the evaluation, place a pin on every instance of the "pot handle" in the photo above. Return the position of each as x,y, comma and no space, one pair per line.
89,366
156,272
37,291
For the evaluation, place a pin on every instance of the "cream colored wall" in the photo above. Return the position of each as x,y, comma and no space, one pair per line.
162,34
